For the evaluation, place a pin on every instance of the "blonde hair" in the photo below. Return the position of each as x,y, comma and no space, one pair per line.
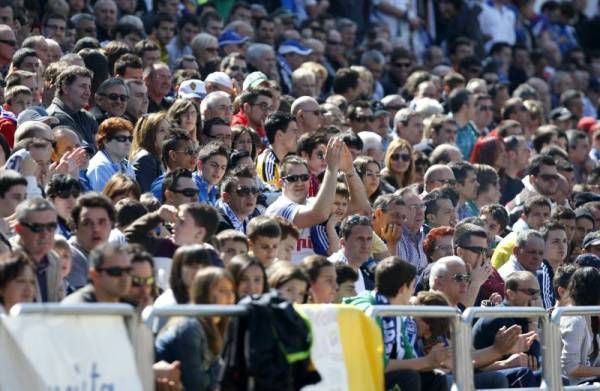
396,144
144,134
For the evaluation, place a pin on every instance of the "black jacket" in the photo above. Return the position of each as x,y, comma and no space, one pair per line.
82,122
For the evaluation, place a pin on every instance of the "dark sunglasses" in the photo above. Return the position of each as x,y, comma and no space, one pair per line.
458,277
397,156
530,291
475,249
122,139
189,192
236,68
246,191
9,42
115,97
296,178
39,227
64,194
142,281
364,118
115,271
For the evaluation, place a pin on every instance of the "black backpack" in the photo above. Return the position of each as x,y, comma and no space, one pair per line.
268,348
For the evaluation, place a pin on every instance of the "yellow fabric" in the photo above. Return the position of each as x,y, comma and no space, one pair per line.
504,250
377,245
361,344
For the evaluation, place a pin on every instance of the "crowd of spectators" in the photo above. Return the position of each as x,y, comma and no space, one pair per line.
369,152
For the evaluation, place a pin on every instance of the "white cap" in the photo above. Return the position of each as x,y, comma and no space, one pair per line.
220,78
191,89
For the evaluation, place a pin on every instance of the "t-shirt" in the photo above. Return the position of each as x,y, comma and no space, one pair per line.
287,209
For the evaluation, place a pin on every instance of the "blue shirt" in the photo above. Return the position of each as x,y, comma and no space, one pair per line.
101,169
465,139
206,193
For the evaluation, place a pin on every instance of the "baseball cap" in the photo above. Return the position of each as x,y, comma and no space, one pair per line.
378,108
191,89
591,239
560,114
230,37
36,113
220,78
293,46
586,124
584,260
254,79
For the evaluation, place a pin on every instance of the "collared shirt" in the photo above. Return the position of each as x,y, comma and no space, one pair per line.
206,193
42,279
101,168
410,248
512,265
465,139
498,23
466,210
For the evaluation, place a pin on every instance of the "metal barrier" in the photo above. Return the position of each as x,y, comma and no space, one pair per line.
554,326
464,336
150,312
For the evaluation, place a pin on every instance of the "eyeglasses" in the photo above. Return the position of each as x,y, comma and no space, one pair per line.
115,97
529,291
115,271
244,191
9,42
39,227
64,194
264,106
460,278
142,281
122,139
475,249
190,151
397,156
236,68
548,177
364,118
296,178
402,64
188,192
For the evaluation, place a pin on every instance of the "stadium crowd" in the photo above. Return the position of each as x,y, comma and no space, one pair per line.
369,152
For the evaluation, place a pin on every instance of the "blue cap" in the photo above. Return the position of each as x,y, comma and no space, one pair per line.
230,37
294,46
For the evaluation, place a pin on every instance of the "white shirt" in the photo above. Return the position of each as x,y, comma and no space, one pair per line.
499,24
512,265
288,209
340,257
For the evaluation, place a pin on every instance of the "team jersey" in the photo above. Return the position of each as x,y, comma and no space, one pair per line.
267,167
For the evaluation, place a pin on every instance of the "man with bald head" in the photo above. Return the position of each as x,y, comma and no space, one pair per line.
308,114
8,46
436,176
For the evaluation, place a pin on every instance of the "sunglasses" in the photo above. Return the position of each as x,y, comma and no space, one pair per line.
9,42
236,68
458,277
115,271
364,118
122,139
475,249
115,97
189,192
39,227
296,178
530,291
244,191
397,156
142,281
68,193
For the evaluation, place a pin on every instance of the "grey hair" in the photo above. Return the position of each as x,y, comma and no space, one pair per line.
372,56
77,18
98,255
256,50
525,236
403,116
109,83
97,4
201,41
36,204
211,99
440,267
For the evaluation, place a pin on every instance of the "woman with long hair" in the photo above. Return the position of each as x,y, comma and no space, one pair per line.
399,165
17,281
184,114
249,275
146,148
490,151
245,139
369,172
322,279
197,342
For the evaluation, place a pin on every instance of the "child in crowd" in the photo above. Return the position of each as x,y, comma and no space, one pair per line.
346,278
322,277
65,256
249,275
264,235
289,280
324,236
231,243
289,239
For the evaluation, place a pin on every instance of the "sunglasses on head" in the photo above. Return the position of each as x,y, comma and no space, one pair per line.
39,227
397,156
122,139
189,192
115,97
64,194
115,271
246,191
142,281
296,178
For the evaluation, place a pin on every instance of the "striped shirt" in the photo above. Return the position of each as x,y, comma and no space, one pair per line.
410,248
267,167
